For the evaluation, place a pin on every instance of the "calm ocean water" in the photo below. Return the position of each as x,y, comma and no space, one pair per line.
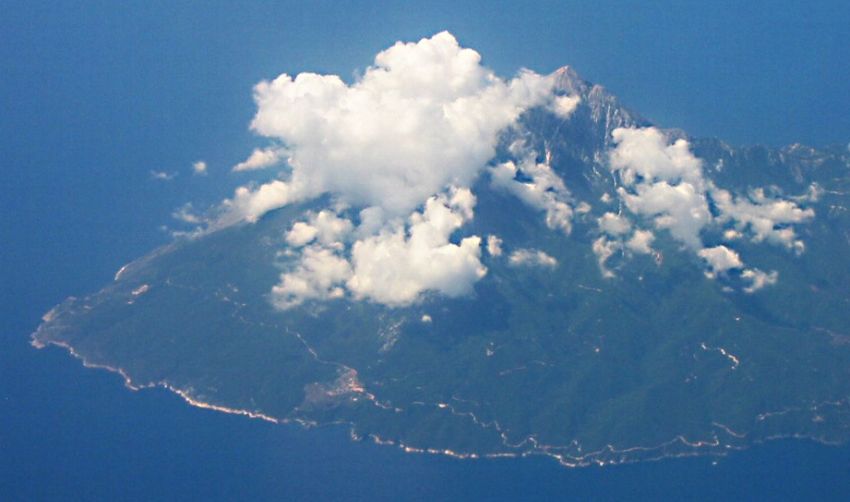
67,432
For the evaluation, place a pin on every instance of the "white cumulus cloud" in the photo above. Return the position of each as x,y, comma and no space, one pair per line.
765,218
260,159
665,182
494,245
680,208
641,242
614,224
393,266
661,181
324,226
545,191
251,203
396,266
301,234
426,115
759,279
396,149
643,153
531,258
720,258
317,276
564,106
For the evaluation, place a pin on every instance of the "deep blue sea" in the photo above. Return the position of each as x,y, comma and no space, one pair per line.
95,95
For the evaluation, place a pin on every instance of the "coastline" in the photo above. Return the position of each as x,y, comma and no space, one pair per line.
678,447
274,460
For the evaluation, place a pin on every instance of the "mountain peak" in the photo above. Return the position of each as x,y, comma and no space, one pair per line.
599,112
568,80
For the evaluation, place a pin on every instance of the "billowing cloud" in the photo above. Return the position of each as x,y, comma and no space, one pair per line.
318,276
765,218
397,265
301,234
643,155
425,116
661,181
682,208
665,183
614,224
325,227
260,159
394,266
720,259
397,149
545,191
251,203
199,168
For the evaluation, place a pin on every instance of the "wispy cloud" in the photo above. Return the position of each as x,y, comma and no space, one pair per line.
162,175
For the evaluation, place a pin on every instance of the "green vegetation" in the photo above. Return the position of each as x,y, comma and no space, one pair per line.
543,360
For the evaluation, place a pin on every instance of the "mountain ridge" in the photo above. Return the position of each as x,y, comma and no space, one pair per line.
655,360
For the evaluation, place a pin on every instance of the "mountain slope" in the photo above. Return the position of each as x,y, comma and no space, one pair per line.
637,356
